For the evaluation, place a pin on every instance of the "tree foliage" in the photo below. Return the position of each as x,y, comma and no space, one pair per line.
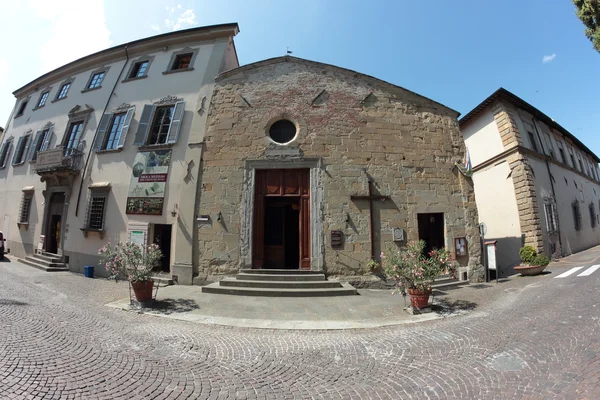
588,12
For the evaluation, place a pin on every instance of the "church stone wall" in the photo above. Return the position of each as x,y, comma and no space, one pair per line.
359,128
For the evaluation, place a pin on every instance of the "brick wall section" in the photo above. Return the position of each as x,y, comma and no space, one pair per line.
506,125
408,144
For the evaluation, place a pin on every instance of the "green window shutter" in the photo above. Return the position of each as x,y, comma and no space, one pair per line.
47,139
176,122
17,150
36,143
27,144
144,125
101,134
2,156
126,125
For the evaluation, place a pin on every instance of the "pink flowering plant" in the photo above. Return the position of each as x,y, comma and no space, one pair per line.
130,261
410,268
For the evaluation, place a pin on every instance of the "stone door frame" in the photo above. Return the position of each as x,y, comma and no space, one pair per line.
316,211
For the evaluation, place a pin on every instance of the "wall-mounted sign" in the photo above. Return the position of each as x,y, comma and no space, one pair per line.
460,246
148,182
398,234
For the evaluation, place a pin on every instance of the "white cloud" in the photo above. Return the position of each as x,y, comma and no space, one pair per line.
548,59
74,30
186,19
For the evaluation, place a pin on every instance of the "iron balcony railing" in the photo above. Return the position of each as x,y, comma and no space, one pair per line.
59,159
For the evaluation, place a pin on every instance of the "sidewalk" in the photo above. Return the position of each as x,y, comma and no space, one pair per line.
370,309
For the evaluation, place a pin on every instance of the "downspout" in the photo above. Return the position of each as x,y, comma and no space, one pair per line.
551,183
87,160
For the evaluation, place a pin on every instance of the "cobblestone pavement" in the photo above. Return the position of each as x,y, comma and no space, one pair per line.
532,338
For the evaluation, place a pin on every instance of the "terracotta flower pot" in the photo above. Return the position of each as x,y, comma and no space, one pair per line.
419,298
143,290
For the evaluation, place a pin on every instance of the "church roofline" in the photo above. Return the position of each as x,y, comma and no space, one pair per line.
112,53
515,100
287,58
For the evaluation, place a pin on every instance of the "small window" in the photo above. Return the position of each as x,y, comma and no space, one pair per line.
21,150
593,214
96,210
532,140
159,130
22,107
182,61
25,208
580,165
4,151
573,164
64,89
282,131
562,155
114,131
43,99
576,215
96,80
139,69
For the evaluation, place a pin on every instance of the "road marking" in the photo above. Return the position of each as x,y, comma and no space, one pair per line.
589,271
569,272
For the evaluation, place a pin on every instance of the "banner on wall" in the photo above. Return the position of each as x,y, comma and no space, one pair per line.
148,183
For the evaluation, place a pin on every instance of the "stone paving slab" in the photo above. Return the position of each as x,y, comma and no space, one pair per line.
370,309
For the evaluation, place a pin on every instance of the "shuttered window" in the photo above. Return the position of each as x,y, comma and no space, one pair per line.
5,152
40,143
592,208
25,207
576,215
160,125
21,150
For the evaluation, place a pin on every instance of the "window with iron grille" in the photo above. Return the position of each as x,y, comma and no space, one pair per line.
551,217
25,207
593,215
576,215
96,210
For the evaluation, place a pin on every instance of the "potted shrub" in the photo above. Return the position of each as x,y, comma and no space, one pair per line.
414,272
132,262
531,262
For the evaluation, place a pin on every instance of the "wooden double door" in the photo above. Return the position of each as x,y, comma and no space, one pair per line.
281,233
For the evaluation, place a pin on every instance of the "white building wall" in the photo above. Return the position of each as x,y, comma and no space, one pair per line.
482,137
194,87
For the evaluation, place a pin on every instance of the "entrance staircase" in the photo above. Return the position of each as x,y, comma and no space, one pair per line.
280,283
447,282
47,262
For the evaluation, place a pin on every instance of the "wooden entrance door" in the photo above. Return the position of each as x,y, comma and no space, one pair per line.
281,195
53,224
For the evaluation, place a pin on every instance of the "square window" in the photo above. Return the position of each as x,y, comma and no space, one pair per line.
139,69
182,61
22,108
160,125
96,80
96,210
114,131
25,207
64,89
43,99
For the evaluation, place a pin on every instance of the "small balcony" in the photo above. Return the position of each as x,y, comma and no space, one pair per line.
59,161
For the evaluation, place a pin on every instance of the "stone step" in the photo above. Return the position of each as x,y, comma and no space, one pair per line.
49,264
280,277
43,267
231,282
279,271
216,288
163,280
51,258
448,284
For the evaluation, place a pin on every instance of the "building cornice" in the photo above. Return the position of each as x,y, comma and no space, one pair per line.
136,47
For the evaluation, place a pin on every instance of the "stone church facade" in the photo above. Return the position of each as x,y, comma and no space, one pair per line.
311,166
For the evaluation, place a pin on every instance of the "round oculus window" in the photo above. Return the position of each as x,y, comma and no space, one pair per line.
282,131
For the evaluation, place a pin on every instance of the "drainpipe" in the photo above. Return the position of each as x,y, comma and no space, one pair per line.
537,132
87,160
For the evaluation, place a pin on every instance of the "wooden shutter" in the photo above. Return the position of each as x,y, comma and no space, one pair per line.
19,144
125,129
101,134
27,146
36,142
144,125
176,122
3,157
47,139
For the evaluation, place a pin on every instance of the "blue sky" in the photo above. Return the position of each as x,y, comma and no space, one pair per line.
455,52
